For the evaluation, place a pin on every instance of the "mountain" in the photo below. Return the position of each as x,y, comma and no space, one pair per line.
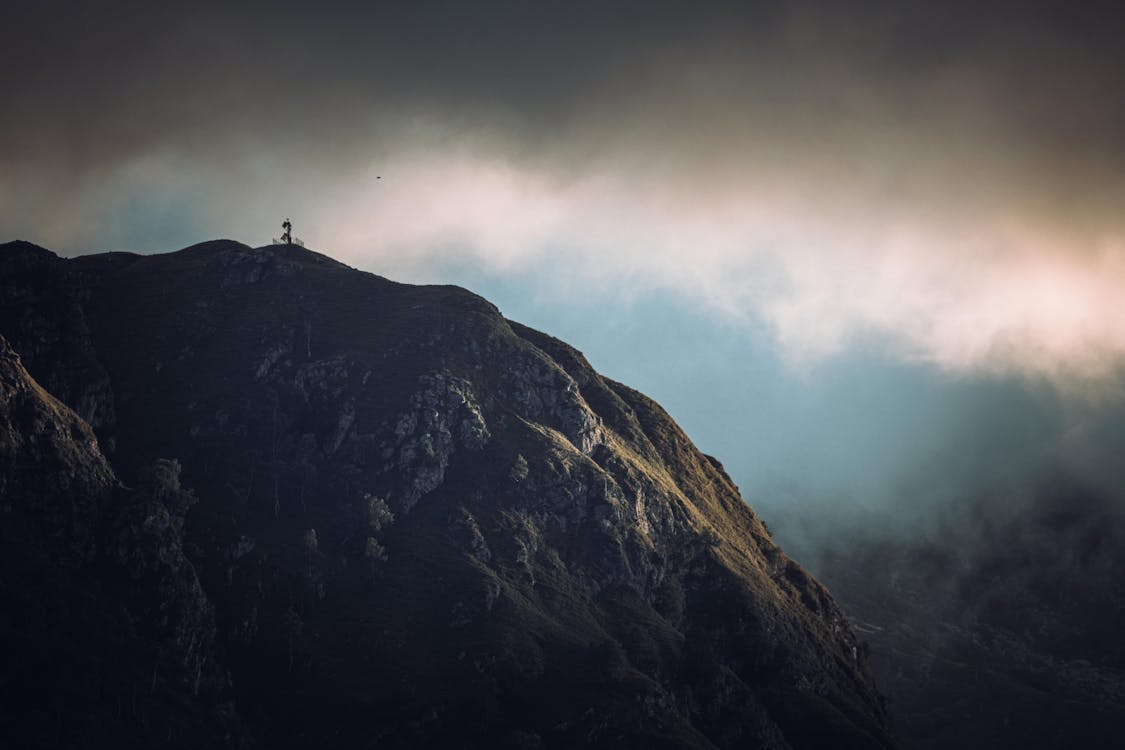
999,628
255,497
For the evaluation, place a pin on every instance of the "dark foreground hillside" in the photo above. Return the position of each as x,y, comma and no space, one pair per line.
323,509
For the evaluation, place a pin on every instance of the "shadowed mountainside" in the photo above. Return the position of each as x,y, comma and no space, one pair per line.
1001,626
333,509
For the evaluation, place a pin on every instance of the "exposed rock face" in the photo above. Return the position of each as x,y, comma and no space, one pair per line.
418,523
41,303
50,465
443,416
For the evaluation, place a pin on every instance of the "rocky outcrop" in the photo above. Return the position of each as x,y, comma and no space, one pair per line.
50,465
443,416
42,314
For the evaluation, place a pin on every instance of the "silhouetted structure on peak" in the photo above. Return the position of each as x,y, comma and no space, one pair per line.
287,237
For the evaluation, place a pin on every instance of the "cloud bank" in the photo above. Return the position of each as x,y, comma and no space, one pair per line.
946,182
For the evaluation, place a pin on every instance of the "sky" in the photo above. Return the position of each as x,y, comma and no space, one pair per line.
871,256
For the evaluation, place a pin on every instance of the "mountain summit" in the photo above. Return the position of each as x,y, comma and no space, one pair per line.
254,497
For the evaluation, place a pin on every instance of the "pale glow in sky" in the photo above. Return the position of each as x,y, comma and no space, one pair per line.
991,292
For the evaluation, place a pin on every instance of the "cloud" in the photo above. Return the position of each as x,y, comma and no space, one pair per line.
946,181
982,290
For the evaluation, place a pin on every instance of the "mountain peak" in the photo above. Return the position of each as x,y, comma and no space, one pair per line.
419,523
215,246
22,253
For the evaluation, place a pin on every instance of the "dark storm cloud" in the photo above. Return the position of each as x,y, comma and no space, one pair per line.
101,80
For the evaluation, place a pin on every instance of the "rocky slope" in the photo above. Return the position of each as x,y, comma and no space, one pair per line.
410,522
105,628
